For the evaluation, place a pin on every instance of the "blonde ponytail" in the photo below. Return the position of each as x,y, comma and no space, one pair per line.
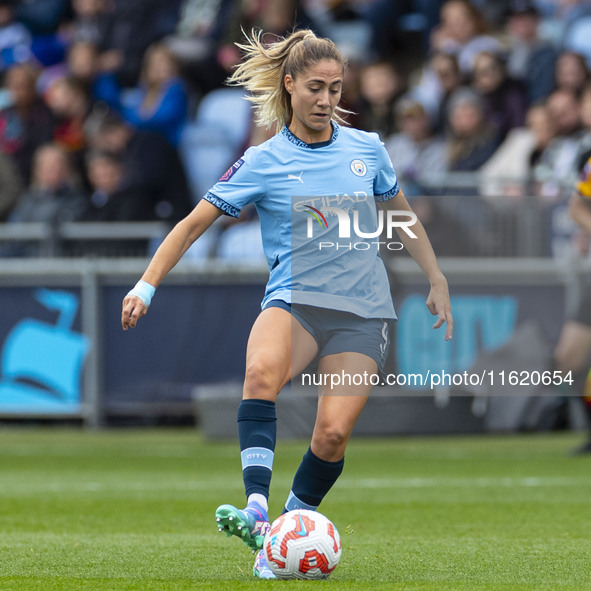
264,68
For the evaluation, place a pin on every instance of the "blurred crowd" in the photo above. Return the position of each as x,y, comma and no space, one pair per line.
108,107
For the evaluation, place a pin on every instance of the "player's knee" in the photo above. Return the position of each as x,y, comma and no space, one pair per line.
261,379
330,442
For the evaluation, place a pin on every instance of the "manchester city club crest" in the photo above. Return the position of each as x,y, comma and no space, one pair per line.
358,167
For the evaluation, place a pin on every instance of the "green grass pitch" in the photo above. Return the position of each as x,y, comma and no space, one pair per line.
133,510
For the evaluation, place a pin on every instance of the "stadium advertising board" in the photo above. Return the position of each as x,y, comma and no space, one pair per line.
42,352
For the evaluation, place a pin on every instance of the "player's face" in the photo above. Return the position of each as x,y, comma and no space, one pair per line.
315,93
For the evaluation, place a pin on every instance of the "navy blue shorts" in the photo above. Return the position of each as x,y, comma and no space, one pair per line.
336,331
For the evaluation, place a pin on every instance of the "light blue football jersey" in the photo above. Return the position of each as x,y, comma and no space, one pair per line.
296,188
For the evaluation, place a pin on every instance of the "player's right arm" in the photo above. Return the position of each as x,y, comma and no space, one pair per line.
241,184
168,255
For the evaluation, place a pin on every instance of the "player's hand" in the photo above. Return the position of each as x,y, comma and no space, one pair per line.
133,310
439,305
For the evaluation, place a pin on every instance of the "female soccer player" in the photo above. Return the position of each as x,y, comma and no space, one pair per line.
330,303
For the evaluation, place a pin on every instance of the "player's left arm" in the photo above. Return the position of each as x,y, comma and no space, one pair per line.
422,252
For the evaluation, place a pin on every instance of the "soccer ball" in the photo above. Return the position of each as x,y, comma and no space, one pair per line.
302,545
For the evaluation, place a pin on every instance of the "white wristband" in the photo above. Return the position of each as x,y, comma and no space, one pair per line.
144,291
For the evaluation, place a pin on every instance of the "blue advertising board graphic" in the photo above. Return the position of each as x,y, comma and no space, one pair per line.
481,323
41,362
485,318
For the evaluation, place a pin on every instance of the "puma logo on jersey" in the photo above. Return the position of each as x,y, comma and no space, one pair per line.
293,177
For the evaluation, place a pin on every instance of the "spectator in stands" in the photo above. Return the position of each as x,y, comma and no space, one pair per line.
42,17
543,129
389,33
530,59
48,50
504,98
508,172
111,199
27,123
10,186
82,63
494,13
199,41
585,145
161,102
90,21
472,140
133,25
562,20
380,87
123,30
447,70
557,167
151,165
68,100
418,154
565,110
53,195
276,17
207,30
463,32
165,17
15,40
571,72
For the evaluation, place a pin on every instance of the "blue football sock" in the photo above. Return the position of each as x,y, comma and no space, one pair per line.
312,482
257,432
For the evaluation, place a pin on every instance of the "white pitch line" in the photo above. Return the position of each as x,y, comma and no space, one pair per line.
527,482
8,488
34,451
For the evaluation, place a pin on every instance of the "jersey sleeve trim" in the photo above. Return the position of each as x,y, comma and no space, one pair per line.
226,207
388,194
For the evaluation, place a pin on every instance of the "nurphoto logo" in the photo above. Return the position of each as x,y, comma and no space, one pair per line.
390,219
